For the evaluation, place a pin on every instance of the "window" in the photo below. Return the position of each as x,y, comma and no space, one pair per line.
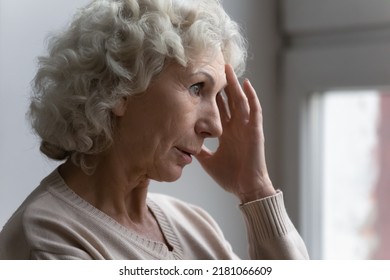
352,152
335,143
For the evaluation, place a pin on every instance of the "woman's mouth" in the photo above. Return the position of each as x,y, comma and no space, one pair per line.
185,155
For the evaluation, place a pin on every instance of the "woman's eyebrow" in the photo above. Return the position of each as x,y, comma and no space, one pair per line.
206,74
209,77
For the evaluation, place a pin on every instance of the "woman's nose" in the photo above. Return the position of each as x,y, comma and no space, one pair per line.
209,123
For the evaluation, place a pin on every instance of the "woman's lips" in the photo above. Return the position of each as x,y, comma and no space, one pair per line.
186,156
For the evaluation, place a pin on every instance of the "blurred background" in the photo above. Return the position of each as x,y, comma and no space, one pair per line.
322,72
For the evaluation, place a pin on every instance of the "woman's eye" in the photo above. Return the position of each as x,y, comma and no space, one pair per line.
196,89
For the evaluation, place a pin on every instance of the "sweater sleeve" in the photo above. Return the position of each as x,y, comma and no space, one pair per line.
271,234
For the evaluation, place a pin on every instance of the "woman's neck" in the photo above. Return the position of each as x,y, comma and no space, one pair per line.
116,189
111,189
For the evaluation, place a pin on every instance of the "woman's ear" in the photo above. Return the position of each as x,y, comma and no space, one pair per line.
120,107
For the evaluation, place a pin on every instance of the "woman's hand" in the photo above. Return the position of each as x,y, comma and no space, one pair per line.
238,165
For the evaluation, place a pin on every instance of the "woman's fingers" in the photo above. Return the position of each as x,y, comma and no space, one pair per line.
237,100
223,110
253,101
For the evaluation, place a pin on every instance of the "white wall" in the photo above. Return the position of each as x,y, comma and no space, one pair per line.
313,16
23,28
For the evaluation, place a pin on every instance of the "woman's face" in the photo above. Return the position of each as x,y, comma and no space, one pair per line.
162,128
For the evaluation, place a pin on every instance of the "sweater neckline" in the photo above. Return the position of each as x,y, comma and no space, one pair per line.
61,190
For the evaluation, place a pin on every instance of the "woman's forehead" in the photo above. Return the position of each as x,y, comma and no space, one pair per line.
213,66
207,68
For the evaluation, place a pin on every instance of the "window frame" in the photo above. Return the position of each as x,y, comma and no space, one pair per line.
309,70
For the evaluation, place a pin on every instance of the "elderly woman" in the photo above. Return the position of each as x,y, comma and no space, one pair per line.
128,94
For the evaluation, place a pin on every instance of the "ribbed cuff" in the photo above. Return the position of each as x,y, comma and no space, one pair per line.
266,218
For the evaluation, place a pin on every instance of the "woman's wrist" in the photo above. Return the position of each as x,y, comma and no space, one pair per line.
263,190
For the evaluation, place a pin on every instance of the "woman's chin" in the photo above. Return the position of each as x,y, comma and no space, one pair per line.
169,175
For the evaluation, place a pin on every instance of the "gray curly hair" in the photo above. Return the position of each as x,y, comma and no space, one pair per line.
113,49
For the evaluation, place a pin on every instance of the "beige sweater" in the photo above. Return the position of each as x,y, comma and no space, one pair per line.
55,223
